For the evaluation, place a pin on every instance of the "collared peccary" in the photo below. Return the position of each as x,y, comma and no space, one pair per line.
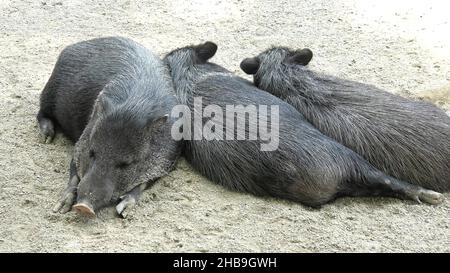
406,139
307,167
111,96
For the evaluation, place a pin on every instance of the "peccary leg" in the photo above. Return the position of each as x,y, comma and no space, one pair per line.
47,128
130,199
376,183
69,195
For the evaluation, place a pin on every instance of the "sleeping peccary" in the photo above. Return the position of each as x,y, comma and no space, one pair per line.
406,139
307,166
112,97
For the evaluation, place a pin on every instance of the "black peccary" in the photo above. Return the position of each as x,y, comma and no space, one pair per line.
111,96
308,167
406,139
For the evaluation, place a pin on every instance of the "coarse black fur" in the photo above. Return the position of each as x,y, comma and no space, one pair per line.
112,97
407,139
307,167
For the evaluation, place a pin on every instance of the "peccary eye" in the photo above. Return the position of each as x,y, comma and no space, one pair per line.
123,165
92,154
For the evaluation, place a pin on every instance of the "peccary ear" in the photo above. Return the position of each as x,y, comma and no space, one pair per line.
157,122
161,120
106,104
250,65
302,56
206,51
103,106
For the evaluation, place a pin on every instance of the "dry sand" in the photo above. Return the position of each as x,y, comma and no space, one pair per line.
402,46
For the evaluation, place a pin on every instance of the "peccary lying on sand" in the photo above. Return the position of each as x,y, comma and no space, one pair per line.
112,97
406,139
307,166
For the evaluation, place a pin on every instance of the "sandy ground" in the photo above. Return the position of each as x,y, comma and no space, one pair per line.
402,46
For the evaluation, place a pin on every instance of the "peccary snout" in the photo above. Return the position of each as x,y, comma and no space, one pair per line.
94,192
